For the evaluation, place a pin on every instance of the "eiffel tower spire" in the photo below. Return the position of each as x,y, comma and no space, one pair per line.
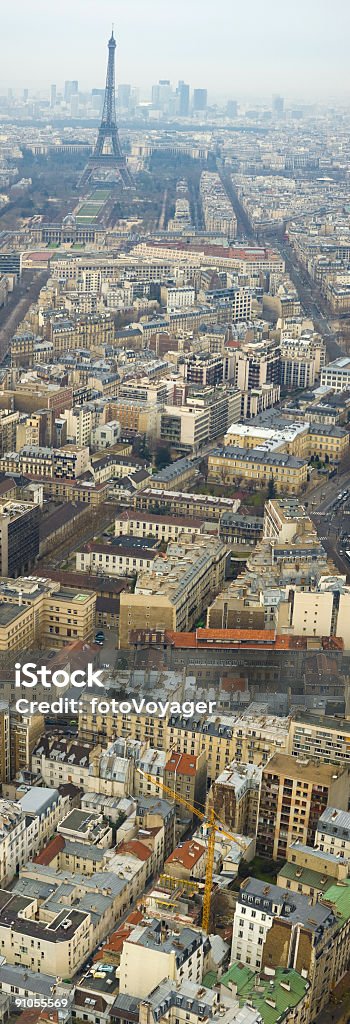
111,159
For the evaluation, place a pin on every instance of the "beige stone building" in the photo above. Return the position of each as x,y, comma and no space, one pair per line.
235,796
33,609
174,593
294,793
320,738
4,741
130,523
311,871
55,943
232,464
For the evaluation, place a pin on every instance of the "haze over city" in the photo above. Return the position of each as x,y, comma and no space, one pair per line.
174,512
299,50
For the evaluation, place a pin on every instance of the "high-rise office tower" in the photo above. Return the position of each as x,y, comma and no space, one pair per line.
25,95
161,94
74,105
278,105
183,94
124,96
232,108
70,89
200,99
53,95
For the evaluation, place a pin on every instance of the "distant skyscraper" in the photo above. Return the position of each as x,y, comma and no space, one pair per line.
278,105
183,93
25,95
124,95
53,95
231,108
70,89
200,99
161,94
74,105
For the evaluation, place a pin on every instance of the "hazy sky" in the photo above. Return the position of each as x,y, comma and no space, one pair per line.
237,49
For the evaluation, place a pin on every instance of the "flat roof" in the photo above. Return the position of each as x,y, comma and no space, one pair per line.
308,769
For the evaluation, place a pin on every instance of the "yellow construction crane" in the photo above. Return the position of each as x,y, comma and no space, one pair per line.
214,825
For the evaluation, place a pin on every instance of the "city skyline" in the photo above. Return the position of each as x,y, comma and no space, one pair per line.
152,44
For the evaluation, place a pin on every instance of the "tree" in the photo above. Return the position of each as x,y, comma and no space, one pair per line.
162,457
141,448
271,490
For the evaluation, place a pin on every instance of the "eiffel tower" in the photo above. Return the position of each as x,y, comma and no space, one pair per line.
110,160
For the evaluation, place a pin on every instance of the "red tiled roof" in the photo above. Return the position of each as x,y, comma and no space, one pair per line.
188,854
135,847
236,638
183,764
116,941
50,851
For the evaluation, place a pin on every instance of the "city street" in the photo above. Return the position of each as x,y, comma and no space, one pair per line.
22,297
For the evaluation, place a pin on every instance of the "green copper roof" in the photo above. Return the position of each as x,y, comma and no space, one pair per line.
285,989
305,876
339,895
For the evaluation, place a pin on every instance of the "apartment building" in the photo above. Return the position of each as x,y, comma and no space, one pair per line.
89,330
187,1001
175,297
240,530
320,737
311,871
19,537
149,955
68,462
177,503
5,766
204,369
150,729
247,738
333,833
44,807
8,429
284,519
106,771
129,523
304,440
256,907
232,464
184,428
257,363
31,608
18,983
235,796
30,395
294,793
217,208
135,414
13,840
25,731
187,861
56,944
283,990
177,474
116,558
275,929
175,591
336,375
186,776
